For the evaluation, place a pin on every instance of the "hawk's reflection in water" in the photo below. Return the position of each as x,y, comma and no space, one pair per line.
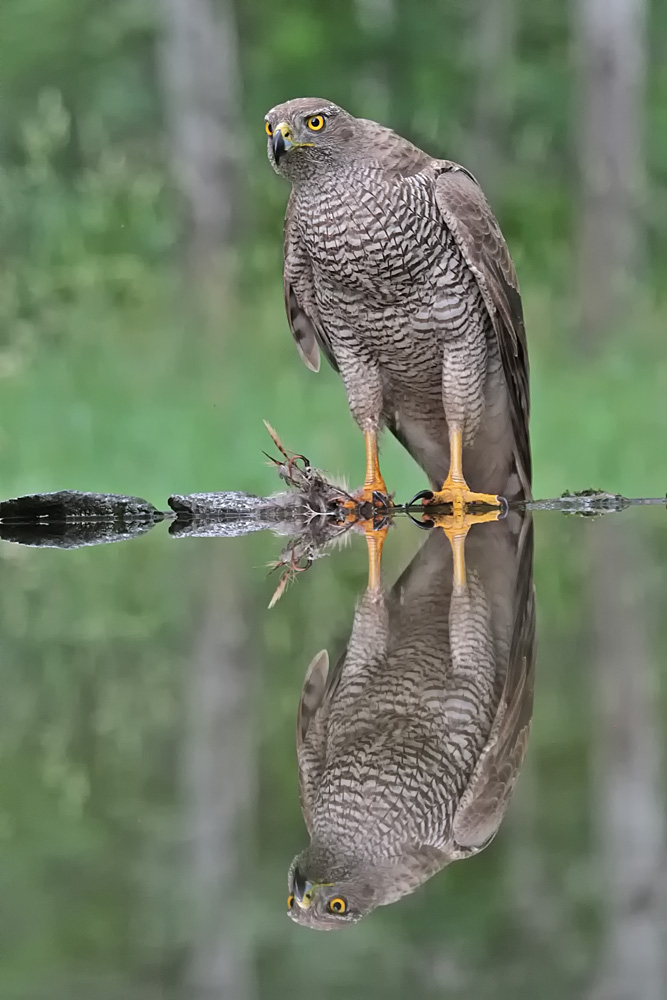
410,745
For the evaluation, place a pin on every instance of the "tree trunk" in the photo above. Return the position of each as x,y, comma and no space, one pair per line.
201,83
494,47
219,792
626,733
377,22
627,772
611,36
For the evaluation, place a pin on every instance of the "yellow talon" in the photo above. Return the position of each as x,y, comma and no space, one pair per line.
374,490
455,489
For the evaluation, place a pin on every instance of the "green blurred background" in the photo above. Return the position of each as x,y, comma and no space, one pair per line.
133,171
142,341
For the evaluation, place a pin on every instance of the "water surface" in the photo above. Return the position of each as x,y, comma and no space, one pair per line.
149,805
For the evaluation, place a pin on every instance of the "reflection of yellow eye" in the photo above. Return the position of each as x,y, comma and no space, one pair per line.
290,902
315,123
269,128
338,905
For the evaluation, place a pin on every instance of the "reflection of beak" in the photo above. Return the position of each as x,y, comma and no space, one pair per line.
303,890
282,140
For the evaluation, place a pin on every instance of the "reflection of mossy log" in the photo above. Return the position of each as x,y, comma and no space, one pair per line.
584,502
309,507
70,518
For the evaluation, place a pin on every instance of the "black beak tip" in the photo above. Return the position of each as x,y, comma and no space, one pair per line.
278,145
299,885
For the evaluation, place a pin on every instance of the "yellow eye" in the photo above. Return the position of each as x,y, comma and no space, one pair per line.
315,123
290,902
338,905
269,128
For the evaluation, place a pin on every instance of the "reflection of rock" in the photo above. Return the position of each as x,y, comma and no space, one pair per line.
410,745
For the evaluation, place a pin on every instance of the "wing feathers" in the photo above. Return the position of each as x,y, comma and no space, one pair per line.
468,216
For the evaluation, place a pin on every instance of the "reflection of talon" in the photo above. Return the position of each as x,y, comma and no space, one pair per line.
456,527
380,520
436,519
291,566
375,537
299,564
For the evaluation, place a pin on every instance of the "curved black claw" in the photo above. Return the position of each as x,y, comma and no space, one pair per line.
422,495
381,499
425,525
379,505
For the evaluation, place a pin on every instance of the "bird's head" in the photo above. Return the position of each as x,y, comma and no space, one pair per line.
307,136
327,894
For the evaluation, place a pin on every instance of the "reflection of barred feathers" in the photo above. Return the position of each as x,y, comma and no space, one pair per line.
410,745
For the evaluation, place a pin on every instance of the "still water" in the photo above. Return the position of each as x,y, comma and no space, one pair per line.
155,732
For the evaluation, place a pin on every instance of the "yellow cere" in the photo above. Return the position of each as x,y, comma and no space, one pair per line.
316,123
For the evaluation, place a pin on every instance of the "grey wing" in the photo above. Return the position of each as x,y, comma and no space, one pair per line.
319,690
310,732
468,216
300,304
487,796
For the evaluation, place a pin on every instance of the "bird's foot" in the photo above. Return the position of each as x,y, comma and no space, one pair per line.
372,500
458,495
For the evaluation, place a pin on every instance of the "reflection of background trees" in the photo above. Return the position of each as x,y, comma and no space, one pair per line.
131,128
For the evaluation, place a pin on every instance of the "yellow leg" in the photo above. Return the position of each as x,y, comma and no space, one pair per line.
374,541
373,481
456,528
455,489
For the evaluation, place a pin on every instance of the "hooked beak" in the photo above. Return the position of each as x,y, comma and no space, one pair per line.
282,140
303,889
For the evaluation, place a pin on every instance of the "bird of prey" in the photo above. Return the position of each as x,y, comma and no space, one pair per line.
395,268
410,745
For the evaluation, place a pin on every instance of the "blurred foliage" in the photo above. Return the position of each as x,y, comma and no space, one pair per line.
91,278
111,380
